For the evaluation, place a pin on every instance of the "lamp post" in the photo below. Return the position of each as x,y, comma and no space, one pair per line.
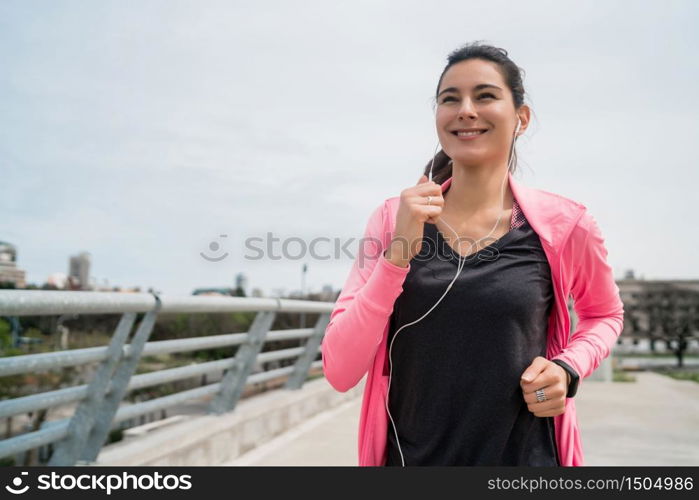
304,269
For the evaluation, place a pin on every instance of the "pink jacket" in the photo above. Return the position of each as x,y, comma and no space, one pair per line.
355,338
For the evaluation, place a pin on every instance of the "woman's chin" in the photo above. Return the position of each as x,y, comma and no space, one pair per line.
469,160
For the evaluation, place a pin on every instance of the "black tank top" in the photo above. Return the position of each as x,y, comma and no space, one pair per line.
454,392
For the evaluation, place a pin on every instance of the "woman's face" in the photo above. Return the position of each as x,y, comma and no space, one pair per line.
473,94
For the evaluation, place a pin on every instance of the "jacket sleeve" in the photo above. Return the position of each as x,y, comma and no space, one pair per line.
362,309
597,303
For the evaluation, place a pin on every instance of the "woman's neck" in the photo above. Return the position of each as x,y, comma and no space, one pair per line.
477,191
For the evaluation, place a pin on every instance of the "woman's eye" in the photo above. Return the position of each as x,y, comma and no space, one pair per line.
482,95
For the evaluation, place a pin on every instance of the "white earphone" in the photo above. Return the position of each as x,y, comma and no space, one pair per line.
462,261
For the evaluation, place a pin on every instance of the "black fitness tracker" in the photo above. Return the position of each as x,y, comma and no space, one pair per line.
574,377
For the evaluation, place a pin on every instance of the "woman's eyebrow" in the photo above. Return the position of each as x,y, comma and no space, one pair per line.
477,87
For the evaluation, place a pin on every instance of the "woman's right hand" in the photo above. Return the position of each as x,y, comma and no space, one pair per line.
413,212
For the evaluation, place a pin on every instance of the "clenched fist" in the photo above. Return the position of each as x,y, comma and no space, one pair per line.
553,379
413,212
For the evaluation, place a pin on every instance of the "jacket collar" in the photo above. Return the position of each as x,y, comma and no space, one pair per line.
550,215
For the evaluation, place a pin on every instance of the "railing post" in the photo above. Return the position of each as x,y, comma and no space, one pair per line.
120,381
67,451
234,381
304,361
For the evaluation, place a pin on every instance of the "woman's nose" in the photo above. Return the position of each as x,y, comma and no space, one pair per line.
466,109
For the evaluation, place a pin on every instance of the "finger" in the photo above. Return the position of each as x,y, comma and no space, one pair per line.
545,380
534,369
434,201
430,212
555,398
419,206
552,412
543,406
427,188
552,393
530,398
552,376
422,179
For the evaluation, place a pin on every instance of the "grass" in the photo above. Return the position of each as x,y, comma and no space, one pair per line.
679,374
622,376
653,355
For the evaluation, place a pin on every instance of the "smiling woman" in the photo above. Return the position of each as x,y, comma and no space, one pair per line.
479,81
482,370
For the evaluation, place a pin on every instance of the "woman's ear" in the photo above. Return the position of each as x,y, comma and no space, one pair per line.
524,114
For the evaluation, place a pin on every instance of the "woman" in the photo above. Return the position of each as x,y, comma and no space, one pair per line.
456,306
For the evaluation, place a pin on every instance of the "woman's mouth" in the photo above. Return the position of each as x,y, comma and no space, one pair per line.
469,135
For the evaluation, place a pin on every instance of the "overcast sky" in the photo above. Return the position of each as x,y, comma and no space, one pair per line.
142,131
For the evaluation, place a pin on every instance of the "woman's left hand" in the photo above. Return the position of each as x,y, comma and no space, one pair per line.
547,375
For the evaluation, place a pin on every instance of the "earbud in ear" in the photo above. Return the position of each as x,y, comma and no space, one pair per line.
519,124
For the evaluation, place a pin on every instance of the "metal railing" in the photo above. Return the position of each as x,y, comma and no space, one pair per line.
99,409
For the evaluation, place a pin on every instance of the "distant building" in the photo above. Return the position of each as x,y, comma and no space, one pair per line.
104,287
9,273
79,270
241,283
224,292
239,290
638,325
327,294
57,280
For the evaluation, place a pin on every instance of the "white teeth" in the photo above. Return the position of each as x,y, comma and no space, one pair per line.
466,134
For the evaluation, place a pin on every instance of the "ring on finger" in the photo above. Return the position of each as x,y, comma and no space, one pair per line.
429,200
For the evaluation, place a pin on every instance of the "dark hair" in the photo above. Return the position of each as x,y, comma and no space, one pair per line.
512,74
